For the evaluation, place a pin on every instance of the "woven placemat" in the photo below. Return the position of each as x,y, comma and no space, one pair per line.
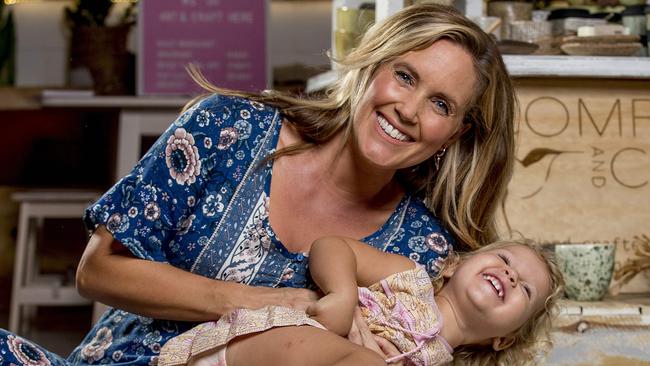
600,49
615,38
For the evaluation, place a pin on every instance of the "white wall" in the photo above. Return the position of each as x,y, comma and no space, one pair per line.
299,33
41,47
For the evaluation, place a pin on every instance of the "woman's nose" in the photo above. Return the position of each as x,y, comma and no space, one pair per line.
408,109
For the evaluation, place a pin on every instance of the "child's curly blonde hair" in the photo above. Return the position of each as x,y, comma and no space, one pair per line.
532,340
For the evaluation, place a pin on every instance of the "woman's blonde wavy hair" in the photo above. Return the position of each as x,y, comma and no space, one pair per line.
532,340
469,186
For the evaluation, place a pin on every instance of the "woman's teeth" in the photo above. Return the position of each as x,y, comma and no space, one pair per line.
392,131
496,283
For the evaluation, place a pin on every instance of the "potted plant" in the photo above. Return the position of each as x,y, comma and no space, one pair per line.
101,47
7,46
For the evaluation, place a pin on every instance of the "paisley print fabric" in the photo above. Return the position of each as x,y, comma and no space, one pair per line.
400,308
202,342
198,201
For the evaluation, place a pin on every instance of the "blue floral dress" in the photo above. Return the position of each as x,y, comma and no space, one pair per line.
198,200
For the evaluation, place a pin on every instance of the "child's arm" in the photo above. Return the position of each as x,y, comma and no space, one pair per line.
337,265
332,265
373,265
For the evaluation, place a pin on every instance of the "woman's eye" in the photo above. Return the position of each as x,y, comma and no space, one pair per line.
404,77
504,258
527,289
441,106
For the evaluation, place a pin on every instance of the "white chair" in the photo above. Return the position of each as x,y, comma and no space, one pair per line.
30,287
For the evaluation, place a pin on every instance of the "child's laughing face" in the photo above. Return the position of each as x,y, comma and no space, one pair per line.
495,292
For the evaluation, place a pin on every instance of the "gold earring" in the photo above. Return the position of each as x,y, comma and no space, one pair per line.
438,156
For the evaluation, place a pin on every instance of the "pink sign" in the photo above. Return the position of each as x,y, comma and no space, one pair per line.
225,38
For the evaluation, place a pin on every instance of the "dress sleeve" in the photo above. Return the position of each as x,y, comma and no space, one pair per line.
147,207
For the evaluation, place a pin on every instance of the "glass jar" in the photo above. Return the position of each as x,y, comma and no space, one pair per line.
634,18
647,25
350,19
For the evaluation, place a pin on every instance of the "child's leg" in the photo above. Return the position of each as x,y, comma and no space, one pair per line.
297,346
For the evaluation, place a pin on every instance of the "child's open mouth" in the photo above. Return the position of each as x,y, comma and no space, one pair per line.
496,284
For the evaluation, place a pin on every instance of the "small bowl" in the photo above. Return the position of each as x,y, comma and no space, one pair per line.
587,269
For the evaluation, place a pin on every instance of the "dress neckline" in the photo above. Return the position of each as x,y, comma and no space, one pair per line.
303,255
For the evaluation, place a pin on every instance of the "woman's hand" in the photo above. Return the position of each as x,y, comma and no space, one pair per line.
299,298
360,334
295,298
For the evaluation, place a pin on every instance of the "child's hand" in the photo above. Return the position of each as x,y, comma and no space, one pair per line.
388,350
334,311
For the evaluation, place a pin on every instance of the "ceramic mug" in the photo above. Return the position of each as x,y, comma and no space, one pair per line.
587,269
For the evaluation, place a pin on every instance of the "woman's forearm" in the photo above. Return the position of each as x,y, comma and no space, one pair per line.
159,290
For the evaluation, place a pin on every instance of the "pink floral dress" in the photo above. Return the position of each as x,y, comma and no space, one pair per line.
400,308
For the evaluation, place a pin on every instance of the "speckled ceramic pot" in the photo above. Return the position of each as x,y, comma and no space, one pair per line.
587,269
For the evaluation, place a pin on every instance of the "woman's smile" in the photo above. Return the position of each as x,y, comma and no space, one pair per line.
391,131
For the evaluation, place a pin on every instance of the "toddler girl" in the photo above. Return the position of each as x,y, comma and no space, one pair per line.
491,306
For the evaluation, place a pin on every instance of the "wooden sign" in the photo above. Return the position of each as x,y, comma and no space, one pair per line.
583,165
226,39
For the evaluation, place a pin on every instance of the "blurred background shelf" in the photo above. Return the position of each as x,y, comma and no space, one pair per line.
578,66
19,98
114,101
612,332
621,310
599,67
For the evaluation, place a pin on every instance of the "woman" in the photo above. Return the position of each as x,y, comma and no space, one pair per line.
419,124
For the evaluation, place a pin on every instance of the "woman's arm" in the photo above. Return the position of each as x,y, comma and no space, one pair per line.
109,273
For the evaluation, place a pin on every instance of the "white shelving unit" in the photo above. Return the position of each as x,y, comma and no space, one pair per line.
115,102
139,116
600,67
578,66
525,66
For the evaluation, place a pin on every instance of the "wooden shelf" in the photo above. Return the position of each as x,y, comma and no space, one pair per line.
116,102
622,310
33,98
19,98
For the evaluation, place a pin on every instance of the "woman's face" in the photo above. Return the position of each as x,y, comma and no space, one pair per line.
414,105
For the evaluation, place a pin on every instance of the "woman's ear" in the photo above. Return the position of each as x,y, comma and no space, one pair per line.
501,343
456,136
